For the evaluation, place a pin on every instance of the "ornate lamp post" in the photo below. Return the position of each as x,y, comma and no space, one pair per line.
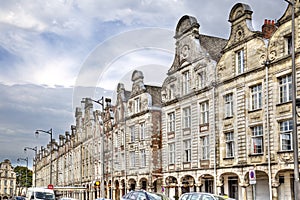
51,135
34,160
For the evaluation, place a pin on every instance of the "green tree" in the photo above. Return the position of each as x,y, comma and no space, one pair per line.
21,176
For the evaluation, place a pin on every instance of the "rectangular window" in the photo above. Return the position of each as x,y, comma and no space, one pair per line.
228,105
256,97
132,159
229,145
204,112
132,134
122,137
286,131
171,122
187,117
201,79
142,131
137,105
240,65
143,158
205,148
186,82
257,139
187,150
285,88
288,41
171,92
172,153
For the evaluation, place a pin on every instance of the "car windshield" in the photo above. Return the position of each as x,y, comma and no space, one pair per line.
44,195
154,196
219,197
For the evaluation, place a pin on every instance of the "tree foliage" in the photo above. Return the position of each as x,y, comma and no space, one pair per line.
21,176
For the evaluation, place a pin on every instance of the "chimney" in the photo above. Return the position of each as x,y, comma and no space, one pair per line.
268,28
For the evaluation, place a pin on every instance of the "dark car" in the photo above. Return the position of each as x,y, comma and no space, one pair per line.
141,195
200,196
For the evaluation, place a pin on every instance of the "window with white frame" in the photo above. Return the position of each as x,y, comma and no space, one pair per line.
187,117
201,79
137,105
256,97
229,144
171,90
187,150
286,131
240,65
142,131
171,122
288,44
132,158
186,82
228,105
285,88
122,137
257,139
204,112
172,153
132,134
143,158
205,148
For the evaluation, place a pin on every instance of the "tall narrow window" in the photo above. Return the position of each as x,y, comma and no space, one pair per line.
187,150
257,139
187,117
288,41
171,94
171,122
172,153
142,130
240,66
137,105
285,88
143,158
228,105
229,145
204,113
256,97
132,159
132,134
286,130
205,148
201,79
186,82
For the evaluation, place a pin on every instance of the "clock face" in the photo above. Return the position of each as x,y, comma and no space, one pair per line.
185,51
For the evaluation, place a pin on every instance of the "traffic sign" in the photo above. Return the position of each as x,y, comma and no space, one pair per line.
252,177
50,186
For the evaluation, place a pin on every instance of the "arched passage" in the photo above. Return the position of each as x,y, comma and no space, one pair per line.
188,184
261,187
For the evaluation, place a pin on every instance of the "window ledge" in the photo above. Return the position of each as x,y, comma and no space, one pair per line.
285,151
254,110
255,154
288,102
228,158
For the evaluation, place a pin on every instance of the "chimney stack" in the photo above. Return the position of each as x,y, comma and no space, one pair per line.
268,28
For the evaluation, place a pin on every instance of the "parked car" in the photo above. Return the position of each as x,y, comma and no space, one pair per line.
201,196
142,195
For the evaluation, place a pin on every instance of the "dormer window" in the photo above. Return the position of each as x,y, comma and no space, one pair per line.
201,79
171,92
239,62
137,105
288,45
186,82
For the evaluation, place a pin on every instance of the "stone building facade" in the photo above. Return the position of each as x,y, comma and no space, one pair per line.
224,110
7,180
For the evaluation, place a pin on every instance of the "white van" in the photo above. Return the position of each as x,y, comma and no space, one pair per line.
40,193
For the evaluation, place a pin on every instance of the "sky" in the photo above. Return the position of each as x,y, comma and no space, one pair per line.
53,53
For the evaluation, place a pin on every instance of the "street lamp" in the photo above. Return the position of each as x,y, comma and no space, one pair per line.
34,160
25,159
294,112
100,101
50,133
